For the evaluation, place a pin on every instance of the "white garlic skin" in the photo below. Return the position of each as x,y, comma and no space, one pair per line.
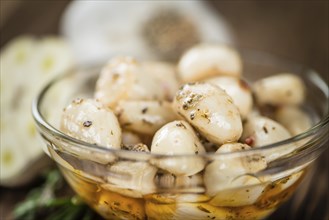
178,138
239,91
231,172
123,78
280,89
131,178
210,110
260,131
144,117
293,118
206,60
88,120
166,74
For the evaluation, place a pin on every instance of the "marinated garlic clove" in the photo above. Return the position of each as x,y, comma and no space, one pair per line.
165,73
178,138
230,172
88,120
280,89
123,78
205,60
241,196
191,211
238,89
260,131
130,138
210,110
293,118
132,179
192,184
144,117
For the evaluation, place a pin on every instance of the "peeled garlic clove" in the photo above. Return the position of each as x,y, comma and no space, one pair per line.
205,60
239,196
293,118
130,138
175,183
177,138
123,78
260,131
280,89
239,91
144,117
130,178
165,73
210,110
88,120
230,172
193,211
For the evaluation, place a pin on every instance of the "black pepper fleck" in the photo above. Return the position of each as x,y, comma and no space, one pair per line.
87,124
144,110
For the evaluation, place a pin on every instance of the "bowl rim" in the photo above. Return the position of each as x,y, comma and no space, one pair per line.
41,122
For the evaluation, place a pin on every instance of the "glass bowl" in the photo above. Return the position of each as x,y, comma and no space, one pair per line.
121,184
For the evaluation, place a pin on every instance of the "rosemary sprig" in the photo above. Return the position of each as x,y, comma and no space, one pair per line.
42,203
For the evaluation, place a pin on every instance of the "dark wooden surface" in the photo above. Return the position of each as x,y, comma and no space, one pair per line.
297,30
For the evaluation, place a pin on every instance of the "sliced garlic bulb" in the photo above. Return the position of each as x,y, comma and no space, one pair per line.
206,60
280,89
293,118
27,63
144,117
210,110
239,91
228,173
260,131
131,178
88,120
177,138
149,30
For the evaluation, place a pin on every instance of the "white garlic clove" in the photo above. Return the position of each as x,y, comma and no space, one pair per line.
280,89
239,91
210,110
123,78
230,172
144,117
245,195
166,74
260,131
191,184
205,60
293,118
130,178
178,138
130,138
88,120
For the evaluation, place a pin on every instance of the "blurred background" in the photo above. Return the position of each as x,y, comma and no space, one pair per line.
295,30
